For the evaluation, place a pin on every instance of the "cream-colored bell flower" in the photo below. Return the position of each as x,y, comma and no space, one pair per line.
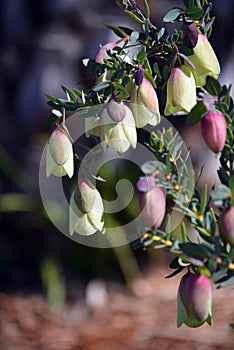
59,154
86,210
144,104
204,60
117,126
181,91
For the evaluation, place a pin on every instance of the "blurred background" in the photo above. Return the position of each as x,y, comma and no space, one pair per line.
43,44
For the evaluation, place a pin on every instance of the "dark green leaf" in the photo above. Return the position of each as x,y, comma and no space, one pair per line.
141,56
102,85
196,113
223,176
194,12
157,70
172,15
128,31
203,200
69,93
53,99
174,273
117,30
188,3
185,50
213,86
120,88
196,251
50,121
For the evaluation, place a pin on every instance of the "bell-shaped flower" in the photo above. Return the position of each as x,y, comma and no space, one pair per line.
144,104
181,91
86,210
204,60
194,300
117,126
214,129
59,154
227,225
152,201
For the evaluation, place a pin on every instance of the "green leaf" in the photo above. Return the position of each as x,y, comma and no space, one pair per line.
196,113
231,185
69,93
221,193
133,16
213,86
52,99
149,77
232,325
185,50
120,88
134,37
196,251
194,12
203,200
102,85
147,9
172,15
188,3
227,281
223,176
117,30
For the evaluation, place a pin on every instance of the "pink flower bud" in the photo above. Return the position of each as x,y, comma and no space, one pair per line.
214,128
144,104
190,34
116,110
152,201
227,225
59,156
86,210
195,296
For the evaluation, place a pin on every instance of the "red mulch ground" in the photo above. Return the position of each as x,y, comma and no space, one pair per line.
143,318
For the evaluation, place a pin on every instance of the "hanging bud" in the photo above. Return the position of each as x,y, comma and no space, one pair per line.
86,210
59,154
214,128
139,75
204,60
194,300
144,104
227,225
152,201
181,91
190,34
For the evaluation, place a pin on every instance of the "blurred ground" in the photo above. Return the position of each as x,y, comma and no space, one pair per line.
141,317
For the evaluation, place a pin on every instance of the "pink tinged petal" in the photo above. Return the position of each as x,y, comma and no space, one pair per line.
227,225
102,54
153,207
116,110
214,128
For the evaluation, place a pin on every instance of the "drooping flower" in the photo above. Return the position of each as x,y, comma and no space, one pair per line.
194,300
227,225
115,125
205,61
152,201
86,210
144,104
59,154
214,129
181,91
